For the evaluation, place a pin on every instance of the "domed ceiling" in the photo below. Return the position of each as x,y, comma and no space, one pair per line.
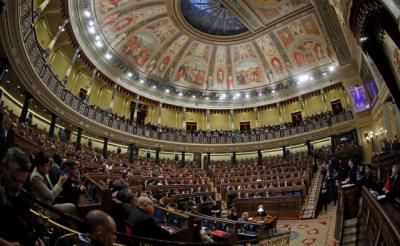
203,45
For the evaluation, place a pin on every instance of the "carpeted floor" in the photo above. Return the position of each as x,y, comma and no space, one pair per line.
315,232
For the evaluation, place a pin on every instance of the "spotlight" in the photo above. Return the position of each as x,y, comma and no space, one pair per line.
129,74
247,96
180,94
99,44
324,74
363,39
91,23
108,56
303,78
194,96
87,13
141,81
92,30
154,86
167,90
331,68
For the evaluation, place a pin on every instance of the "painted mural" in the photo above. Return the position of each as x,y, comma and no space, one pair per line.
145,36
219,79
277,68
248,73
191,73
271,10
139,47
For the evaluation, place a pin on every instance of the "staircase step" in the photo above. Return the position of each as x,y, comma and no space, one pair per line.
349,239
350,222
350,231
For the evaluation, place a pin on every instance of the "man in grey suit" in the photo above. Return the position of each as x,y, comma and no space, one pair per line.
42,187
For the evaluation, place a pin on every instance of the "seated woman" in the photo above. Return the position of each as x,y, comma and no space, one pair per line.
42,187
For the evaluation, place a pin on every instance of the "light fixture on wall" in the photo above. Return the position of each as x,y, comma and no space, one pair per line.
369,137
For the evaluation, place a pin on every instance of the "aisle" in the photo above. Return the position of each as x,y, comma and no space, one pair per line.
315,232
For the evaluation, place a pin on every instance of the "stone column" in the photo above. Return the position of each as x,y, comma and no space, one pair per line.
184,119
25,108
278,105
159,122
256,115
69,70
52,125
231,115
208,119
324,99
89,91
112,97
259,157
136,110
56,36
158,156
132,153
105,148
183,159
386,121
78,139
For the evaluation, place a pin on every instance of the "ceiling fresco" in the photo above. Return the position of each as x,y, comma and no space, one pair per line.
242,46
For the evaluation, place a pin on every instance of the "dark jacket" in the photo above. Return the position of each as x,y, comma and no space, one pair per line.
16,219
394,191
144,225
353,175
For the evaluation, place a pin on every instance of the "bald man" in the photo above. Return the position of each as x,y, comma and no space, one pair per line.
101,230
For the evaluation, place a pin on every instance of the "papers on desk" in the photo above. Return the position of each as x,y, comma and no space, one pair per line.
381,197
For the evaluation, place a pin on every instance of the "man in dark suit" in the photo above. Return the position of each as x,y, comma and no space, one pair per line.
352,173
143,223
16,220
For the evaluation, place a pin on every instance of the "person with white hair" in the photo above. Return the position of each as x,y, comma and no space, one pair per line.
143,223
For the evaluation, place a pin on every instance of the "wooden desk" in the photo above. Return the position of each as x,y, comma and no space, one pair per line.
379,221
285,207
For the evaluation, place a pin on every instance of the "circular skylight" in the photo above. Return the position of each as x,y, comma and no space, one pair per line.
212,17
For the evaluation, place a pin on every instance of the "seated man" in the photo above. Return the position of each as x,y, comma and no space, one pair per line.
16,221
42,187
101,230
143,223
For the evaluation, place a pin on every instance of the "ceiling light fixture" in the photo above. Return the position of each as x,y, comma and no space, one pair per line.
331,68
303,78
141,81
129,74
247,96
194,96
92,30
87,13
324,74
180,94
99,44
108,56
154,86
91,23
167,90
